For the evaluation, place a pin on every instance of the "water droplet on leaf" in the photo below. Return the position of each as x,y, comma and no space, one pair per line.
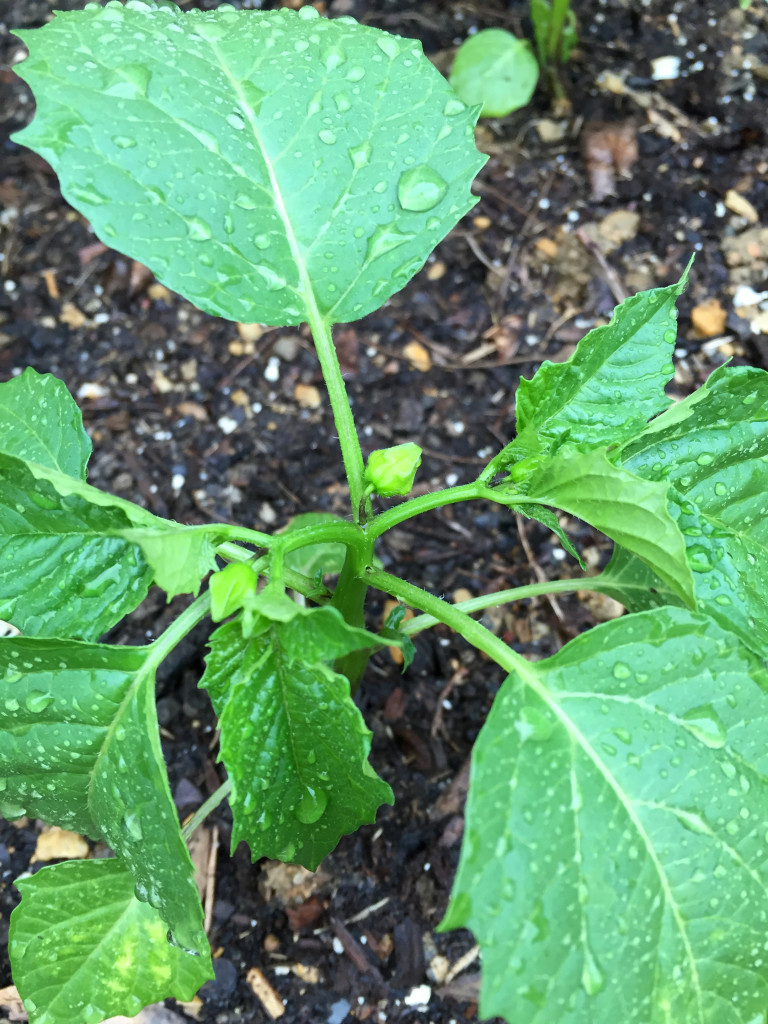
361,154
706,725
198,229
420,189
37,701
311,806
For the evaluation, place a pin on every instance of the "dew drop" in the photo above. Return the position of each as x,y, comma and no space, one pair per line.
720,489
261,241
235,121
327,136
621,670
37,701
388,45
311,806
453,107
384,239
333,57
124,141
88,194
245,202
704,459
308,13
301,45
360,155
273,281
670,336
133,827
355,74
420,189
706,725
699,558
254,96
198,229
592,978
342,101
229,224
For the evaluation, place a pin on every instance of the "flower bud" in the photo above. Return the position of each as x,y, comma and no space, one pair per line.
229,589
390,471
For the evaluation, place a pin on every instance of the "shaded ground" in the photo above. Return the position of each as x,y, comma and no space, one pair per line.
198,420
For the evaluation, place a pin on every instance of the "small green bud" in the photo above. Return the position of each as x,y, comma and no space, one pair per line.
390,471
230,588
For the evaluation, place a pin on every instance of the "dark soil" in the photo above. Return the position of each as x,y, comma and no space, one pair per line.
199,420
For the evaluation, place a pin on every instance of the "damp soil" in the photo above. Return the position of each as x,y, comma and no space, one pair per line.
199,419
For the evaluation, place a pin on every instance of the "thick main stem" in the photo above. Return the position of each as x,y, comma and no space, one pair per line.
342,414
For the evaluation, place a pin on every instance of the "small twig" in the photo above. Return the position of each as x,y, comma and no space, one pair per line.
612,279
541,576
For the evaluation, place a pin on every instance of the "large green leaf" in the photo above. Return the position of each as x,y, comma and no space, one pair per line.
84,948
612,384
271,166
294,744
629,509
614,865
713,450
80,748
66,568
40,422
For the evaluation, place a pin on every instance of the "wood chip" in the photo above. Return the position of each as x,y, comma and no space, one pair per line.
265,993
709,318
193,409
307,396
482,222
49,276
307,973
547,247
158,292
71,315
741,206
436,270
250,333
56,843
10,1001
418,356
160,383
619,227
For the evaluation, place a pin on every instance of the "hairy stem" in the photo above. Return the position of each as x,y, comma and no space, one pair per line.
342,415
473,632
178,629
478,604
425,503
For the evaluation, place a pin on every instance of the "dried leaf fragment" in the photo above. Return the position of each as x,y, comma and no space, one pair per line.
59,844
265,993
609,149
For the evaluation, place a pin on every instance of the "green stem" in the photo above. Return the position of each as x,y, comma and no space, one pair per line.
178,629
342,413
205,809
560,10
478,604
473,632
425,503
349,598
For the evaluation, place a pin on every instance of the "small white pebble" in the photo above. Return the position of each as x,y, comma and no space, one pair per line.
257,407
457,427
226,424
90,389
663,69
418,996
272,371
558,554
573,216
337,946
177,481
451,479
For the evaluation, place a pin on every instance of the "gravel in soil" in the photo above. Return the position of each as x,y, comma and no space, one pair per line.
199,419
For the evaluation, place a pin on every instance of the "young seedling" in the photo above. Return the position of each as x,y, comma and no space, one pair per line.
279,167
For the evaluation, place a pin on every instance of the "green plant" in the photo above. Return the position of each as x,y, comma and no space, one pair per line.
498,71
614,862
495,70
